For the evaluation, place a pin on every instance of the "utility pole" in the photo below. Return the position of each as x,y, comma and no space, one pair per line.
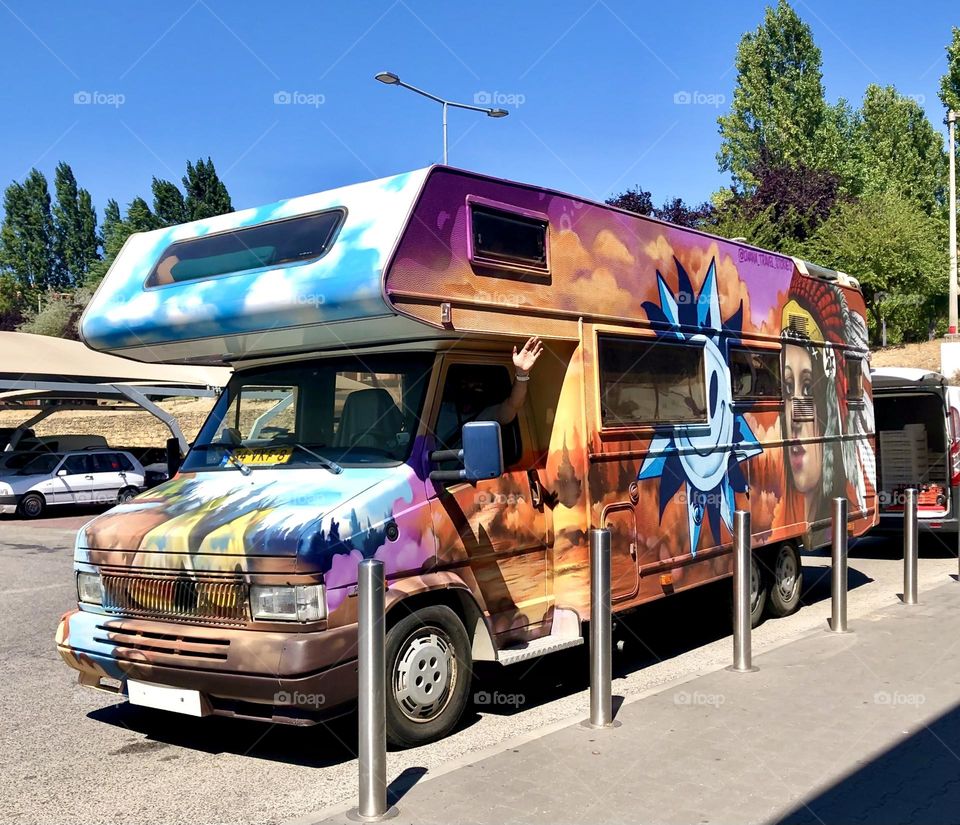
952,123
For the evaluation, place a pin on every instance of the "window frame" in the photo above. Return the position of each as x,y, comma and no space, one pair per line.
334,235
522,422
753,347
859,401
479,260
702,425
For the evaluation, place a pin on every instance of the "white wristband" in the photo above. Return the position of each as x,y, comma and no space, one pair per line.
522,376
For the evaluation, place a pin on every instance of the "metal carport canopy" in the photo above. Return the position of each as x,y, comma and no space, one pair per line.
38,367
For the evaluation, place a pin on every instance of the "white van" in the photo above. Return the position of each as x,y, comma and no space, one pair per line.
918,444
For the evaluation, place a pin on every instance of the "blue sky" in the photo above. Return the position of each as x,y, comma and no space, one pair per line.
590,85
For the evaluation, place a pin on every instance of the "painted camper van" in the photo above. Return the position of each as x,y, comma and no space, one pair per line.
370,327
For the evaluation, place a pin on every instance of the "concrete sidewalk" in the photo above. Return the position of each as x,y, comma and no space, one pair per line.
851,728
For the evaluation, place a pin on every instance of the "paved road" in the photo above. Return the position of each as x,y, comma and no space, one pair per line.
68,754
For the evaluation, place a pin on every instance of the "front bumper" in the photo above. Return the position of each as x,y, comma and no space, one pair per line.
292,678
8,504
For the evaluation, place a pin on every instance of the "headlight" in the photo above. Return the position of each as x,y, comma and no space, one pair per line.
302,603
89,589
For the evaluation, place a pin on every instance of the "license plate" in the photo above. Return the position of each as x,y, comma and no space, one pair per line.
265,456
162,697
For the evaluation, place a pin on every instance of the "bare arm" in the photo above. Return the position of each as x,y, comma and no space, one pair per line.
523,362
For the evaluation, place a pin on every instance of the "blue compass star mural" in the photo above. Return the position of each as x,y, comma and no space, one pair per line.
705,460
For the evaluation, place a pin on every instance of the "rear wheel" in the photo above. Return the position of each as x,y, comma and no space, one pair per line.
786,575
759,589
126,494
32,505
429,671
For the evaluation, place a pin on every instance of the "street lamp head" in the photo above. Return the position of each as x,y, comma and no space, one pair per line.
497,113
953,116
387,77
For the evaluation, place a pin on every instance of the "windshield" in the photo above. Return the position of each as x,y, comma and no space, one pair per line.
16,460
42,464
318,413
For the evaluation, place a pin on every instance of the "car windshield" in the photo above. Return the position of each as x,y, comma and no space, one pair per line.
17,460
41,465
318,413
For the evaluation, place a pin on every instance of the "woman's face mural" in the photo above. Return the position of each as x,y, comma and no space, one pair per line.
799,381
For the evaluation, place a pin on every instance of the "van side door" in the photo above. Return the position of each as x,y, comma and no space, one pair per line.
494,531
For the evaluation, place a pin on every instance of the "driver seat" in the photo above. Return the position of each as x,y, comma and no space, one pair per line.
370,418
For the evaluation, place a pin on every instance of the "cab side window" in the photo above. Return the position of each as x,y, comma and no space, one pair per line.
473,392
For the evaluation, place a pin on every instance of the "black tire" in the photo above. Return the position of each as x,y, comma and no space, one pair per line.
32,505
785,573
430,645
126,494
759,591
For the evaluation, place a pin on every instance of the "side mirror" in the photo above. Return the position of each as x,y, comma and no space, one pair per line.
173,457
62,473
482,454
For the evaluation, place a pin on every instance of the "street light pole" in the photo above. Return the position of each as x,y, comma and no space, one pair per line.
391,79
952,123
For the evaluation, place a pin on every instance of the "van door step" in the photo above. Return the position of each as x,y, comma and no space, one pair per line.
536,647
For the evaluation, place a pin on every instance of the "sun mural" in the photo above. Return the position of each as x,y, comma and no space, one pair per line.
704,460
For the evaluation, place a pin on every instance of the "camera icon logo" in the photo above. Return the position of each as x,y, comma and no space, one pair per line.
282,98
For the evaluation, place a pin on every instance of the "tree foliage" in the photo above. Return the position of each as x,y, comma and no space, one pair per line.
901,151
28,251
206,193
75,222
895,249
950,82
168,203
778,110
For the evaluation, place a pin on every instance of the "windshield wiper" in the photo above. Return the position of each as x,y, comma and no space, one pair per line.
329,463
228,451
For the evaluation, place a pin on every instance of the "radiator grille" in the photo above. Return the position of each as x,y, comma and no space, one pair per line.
179,598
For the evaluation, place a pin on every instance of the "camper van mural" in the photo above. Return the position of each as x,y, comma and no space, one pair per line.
600,368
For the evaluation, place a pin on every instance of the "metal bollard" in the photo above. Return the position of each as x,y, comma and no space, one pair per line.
838,620
742,653
601,631
910,546
372,700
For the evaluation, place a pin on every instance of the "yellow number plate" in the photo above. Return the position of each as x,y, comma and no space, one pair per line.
265,456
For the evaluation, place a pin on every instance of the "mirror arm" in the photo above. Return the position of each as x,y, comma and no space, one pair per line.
446,455
448,475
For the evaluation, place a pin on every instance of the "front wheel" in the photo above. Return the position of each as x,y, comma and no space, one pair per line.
32,505
759,591
429,670
786,581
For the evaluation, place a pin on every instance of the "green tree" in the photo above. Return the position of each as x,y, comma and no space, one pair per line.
206,194
778,112
898,253
168,203
27,237
75,223
139,217
111,221
950,82
901,151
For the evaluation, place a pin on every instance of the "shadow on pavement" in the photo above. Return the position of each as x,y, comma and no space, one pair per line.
916,781
323,745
